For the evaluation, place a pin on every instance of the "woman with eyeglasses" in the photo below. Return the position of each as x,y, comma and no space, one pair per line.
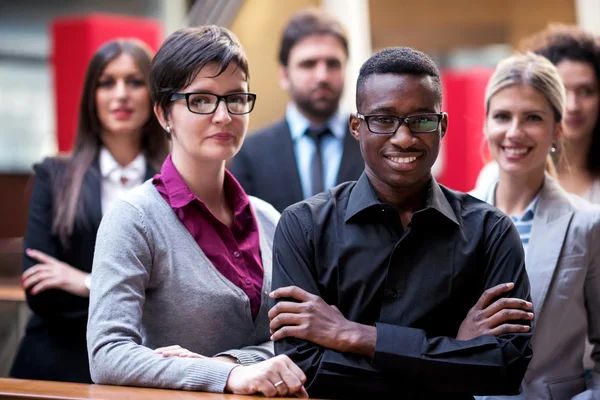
119,144
525,103
182,266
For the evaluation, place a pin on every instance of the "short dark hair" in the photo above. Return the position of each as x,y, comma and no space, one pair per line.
561,42
307,22
398,60
185,53
564,42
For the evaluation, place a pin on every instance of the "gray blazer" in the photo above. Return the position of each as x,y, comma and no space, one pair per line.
563,264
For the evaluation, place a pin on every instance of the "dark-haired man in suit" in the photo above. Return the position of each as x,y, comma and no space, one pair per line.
311,149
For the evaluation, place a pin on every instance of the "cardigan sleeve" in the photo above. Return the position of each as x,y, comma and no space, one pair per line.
251,354
121,271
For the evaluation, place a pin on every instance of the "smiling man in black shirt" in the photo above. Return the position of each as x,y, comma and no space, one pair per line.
375,277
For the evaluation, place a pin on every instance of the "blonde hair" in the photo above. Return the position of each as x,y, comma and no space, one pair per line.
535,71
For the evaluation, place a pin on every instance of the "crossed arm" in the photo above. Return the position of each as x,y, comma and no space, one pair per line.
334,351
314,320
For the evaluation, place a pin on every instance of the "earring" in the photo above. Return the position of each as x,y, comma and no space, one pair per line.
553,148
168,129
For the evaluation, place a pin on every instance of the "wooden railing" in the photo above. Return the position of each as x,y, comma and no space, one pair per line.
27,389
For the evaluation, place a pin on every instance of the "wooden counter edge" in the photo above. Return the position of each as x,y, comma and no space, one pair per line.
44,390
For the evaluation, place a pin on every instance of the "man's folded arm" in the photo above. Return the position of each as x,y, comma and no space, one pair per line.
404,357
484,365
293,265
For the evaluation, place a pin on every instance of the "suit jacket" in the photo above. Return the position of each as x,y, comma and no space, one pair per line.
563,264
266,165
54,345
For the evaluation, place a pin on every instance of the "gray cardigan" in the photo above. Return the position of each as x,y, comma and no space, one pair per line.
152,286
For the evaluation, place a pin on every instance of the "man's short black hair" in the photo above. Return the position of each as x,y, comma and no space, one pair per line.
398,60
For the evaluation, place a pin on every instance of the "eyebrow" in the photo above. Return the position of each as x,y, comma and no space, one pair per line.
199,90
387,109
132,75
319,58
584,85
534,111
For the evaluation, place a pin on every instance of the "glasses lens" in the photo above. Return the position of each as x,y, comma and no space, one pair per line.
202,103
423,123
383,124
240,103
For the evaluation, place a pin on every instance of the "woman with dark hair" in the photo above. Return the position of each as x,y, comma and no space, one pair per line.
576,55
182,267
119,144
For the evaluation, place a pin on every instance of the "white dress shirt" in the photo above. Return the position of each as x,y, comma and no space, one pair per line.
118,180
332,147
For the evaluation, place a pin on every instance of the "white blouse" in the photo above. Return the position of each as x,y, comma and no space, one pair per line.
118,180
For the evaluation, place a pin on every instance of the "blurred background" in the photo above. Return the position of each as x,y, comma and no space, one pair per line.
458,35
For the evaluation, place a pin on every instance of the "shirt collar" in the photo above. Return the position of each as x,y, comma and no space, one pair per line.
180,195
135,170
529,212
298,123
178,192
363,197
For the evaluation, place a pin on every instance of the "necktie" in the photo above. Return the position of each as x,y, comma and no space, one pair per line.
316,166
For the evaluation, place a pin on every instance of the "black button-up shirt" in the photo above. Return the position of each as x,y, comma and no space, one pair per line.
415,286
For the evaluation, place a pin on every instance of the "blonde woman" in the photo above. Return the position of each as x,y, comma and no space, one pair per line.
525,102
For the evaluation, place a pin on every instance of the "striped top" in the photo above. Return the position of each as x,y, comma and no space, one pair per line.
524,222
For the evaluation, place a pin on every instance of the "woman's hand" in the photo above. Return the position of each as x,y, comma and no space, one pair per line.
51,273
489,317
277,376
177,351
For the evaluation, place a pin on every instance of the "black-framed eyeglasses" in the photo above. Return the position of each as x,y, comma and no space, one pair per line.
207,103
388,124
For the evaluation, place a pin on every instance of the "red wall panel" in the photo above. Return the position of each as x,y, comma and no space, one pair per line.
463,101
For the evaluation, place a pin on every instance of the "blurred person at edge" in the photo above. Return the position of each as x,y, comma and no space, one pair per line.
311,149
576,55
119,145
183,303
525,102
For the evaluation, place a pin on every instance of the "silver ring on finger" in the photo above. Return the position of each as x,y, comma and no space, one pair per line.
278,383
